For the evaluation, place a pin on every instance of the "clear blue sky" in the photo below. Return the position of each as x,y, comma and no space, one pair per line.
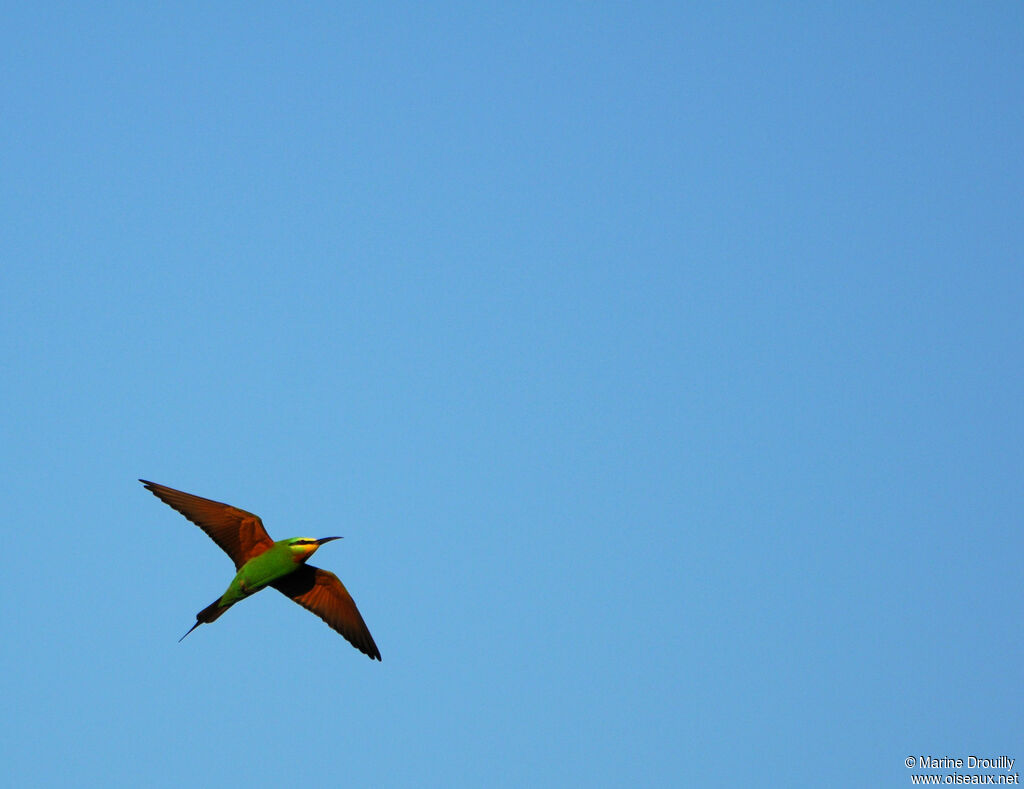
660,364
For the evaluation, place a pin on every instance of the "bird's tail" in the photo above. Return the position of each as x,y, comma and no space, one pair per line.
207,615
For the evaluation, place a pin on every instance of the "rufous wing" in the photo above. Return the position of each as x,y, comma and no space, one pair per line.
322,593
240,534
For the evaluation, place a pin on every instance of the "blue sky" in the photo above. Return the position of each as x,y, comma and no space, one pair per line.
659,363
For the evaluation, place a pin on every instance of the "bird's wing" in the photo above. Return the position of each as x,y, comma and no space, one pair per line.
239,533
322,593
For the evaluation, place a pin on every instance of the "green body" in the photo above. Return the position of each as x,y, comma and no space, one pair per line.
276,562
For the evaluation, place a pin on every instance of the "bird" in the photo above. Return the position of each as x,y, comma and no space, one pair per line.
261,562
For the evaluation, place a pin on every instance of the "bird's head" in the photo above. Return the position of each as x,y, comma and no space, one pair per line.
304,547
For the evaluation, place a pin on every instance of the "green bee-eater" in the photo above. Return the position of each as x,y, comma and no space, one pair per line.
262,562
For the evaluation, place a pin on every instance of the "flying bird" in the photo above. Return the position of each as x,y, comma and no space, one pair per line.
261,562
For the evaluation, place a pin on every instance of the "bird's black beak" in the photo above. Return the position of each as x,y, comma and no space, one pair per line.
322,540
